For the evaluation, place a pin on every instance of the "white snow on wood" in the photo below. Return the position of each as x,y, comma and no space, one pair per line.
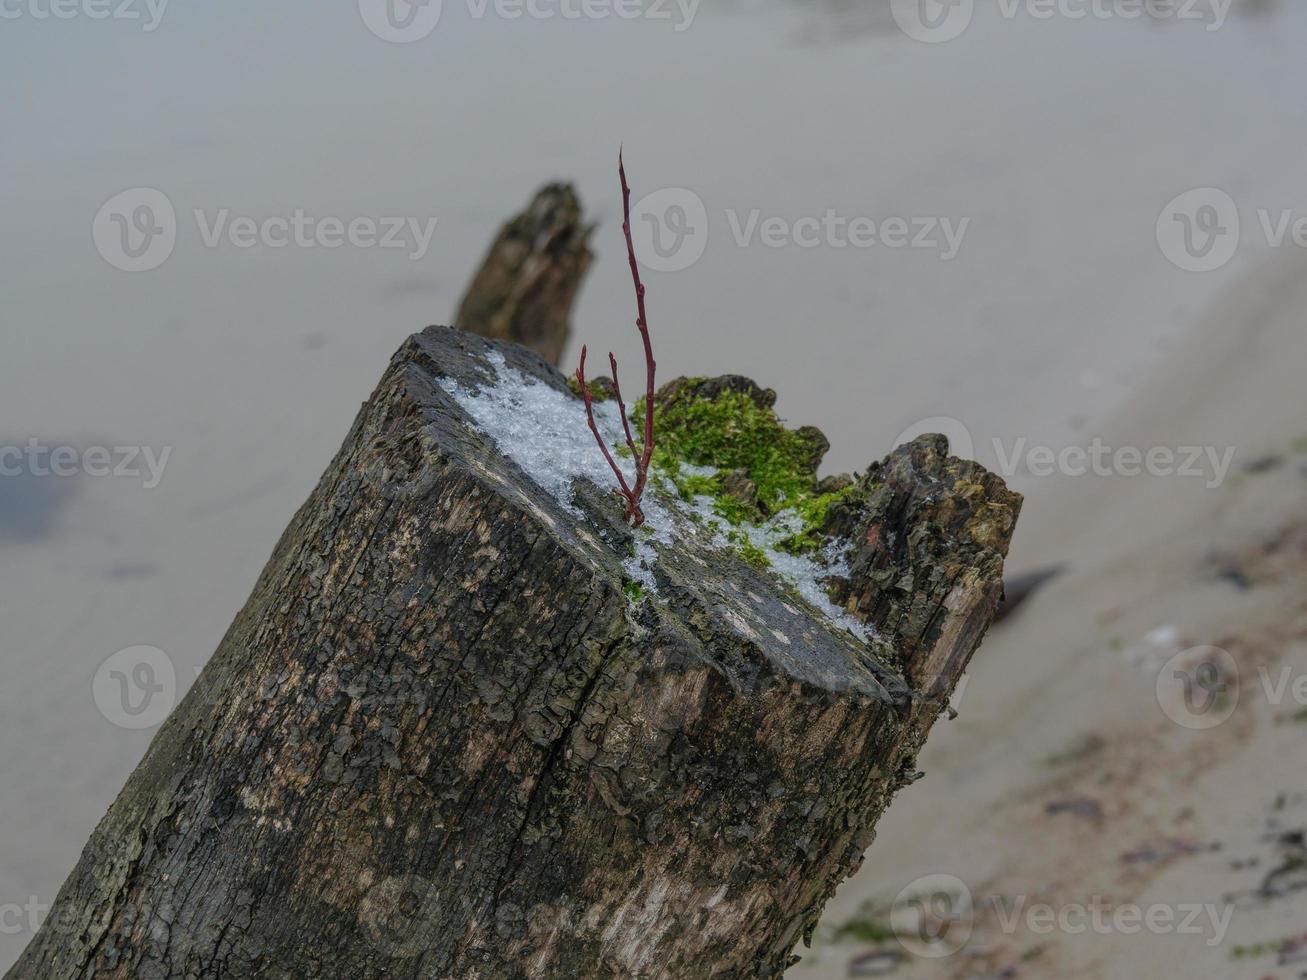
541,429
544,431
804,574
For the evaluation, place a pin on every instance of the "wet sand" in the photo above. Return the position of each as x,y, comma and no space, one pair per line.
1063,781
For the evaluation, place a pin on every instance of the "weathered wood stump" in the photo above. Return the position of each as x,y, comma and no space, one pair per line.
441,740
529,280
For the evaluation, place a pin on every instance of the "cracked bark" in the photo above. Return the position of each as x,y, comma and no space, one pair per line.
439,742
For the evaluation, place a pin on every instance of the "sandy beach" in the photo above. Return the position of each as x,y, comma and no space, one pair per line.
1068,782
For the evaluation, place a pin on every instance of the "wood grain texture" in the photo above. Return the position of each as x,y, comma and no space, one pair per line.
439,742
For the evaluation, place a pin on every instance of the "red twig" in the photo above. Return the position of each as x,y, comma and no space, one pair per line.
621,405
642,459
590,415
642,324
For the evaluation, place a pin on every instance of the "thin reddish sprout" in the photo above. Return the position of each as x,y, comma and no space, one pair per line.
590,415
642,460
621,405
642,323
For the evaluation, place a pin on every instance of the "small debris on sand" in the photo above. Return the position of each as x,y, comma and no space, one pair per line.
1083,806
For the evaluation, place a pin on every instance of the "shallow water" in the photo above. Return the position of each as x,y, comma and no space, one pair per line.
1058,142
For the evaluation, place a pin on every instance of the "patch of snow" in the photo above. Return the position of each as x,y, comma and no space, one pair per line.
804,574
639,568
541,429
545,432
693,469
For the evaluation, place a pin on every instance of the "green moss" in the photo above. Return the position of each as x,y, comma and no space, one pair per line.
866,930
690,485
733,432
749,551
813,511
634,591
1257,950
763,469
600,388
730,509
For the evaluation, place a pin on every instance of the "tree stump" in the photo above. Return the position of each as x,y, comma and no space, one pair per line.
529,280
442,741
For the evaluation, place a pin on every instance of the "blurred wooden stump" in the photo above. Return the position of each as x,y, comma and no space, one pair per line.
529,280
